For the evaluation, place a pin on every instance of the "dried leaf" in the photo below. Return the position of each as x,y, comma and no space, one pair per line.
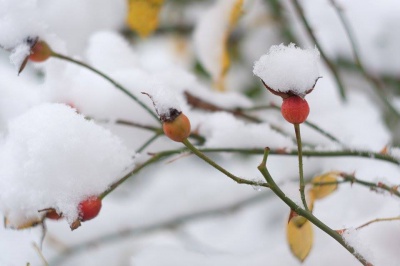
323,185
143,15
24,225
300,239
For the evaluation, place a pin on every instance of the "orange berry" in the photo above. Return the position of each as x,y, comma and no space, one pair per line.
89,208
40,52
295,109
177,129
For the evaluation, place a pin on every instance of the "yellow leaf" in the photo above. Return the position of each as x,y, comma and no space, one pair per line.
323,185
235,13
300,239
296,219
143,15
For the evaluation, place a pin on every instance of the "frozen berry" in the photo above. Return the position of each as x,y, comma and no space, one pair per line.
295,109
177,129
40,52
89,208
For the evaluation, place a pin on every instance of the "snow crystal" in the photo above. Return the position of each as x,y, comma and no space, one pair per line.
352,238
288,68
53,158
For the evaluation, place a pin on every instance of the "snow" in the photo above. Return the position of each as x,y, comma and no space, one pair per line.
288,68
223,130
352,238
210,36
51,156
164,100
19,54
54,158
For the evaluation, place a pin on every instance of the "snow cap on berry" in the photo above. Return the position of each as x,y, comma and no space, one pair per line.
288,70
165,102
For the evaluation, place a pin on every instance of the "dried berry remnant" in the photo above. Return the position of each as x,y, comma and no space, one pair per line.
177,129
295,109
40,52
89,208
53,215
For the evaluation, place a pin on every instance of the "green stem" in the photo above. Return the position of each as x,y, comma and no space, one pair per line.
158,156
153,159
149,141
116,84
202,156
306,214
284,152
330,65
300,158
352,179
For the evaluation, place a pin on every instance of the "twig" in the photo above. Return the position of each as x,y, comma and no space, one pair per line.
237,179
116,84
38,250
148,142
307,122
239,112
308,153
352,179
306,214
378,220
330,65
280,152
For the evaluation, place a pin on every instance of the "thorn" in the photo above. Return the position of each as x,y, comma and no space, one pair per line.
384,151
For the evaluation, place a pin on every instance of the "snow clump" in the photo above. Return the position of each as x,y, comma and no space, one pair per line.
52,157
288,69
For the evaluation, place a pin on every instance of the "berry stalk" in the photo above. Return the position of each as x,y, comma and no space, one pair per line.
300,158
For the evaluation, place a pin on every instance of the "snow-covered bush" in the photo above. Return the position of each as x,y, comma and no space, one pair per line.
228,132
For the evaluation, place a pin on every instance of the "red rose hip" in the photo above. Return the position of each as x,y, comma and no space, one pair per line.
89,208
295,109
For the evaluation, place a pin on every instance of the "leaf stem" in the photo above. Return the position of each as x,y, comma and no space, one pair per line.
116,84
